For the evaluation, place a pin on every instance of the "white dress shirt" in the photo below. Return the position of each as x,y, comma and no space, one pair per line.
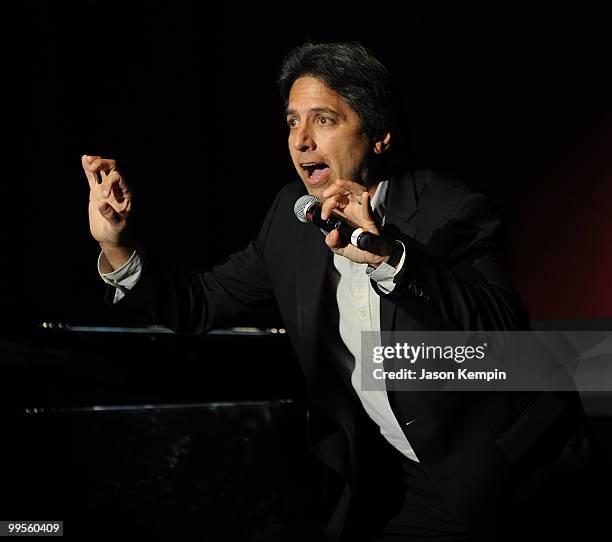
359,307
359,311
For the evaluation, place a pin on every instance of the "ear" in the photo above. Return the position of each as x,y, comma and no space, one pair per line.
382,145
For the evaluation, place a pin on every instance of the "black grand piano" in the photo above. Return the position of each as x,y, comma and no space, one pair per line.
163,440
174,437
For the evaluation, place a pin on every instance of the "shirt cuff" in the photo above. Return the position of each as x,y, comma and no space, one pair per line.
384,274
126,277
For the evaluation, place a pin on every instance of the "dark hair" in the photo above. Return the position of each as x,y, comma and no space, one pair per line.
352,71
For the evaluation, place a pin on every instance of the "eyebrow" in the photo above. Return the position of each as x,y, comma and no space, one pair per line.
317,110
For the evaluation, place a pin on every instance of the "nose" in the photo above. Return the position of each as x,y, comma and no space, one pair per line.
302,139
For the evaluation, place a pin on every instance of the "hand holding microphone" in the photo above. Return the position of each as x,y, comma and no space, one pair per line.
347,217
309,209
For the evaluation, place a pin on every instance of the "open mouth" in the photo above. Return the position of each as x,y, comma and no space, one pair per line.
317,171
311,167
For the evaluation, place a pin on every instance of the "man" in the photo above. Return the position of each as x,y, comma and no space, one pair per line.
458,457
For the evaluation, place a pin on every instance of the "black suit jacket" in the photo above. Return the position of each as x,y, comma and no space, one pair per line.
477,446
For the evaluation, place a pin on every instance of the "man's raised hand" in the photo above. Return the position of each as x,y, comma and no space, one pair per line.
352,200
110,208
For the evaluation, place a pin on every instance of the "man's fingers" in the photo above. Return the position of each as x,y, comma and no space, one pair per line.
91,177
107,211
97,168
97,163
352,186
113,183
332,240
102,164
343,187
335,202
367,216
123,185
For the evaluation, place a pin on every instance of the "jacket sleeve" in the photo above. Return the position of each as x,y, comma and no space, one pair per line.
191,301
460,278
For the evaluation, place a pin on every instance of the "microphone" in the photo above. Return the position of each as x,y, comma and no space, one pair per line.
308,209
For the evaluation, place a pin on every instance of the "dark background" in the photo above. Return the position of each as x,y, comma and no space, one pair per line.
183,96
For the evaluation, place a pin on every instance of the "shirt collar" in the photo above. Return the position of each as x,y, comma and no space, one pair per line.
378,201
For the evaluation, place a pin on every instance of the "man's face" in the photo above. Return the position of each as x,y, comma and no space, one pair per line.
326,141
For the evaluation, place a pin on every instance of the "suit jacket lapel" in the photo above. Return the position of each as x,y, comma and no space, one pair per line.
312,261
401,211
402,200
